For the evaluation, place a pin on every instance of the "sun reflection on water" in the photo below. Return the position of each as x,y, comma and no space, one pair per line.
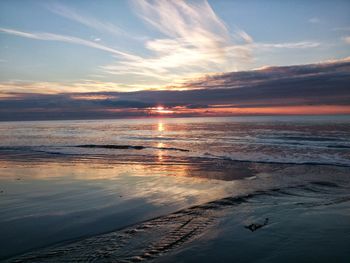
161,127
160,151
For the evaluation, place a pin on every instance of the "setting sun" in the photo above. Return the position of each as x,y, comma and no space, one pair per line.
161,110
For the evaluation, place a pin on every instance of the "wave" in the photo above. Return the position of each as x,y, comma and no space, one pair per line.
226,158
158,138
309,138
339,146
193,156
91,146
133,147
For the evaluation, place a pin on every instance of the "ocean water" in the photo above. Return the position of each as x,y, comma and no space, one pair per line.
322,140
175,190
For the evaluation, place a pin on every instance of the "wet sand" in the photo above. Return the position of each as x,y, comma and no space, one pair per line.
47,199
92,209
297,231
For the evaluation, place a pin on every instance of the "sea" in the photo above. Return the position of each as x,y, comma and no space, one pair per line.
176,190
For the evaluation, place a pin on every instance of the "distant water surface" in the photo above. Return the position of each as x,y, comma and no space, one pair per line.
315,139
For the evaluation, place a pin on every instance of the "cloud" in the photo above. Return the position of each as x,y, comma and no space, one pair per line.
341,28
295,45
314,20
46,87
67,39
266,75
191,41
243,35
84,19
301,88
194,40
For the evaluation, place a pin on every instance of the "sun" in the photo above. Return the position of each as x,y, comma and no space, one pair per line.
162,110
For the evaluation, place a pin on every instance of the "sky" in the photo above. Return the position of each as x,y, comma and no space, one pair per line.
137,58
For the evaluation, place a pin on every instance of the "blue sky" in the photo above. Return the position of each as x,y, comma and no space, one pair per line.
92,46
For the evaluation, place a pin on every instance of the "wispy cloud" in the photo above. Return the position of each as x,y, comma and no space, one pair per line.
84,19
315,20
193,41
67,39
341,28
293,45
46,87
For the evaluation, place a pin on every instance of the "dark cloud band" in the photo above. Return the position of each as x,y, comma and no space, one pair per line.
314,84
